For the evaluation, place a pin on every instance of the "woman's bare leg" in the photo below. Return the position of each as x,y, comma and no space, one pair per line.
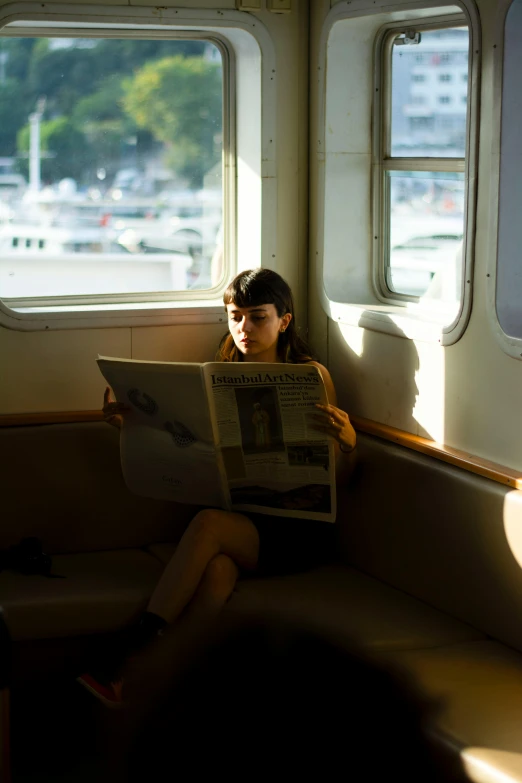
210,534
215,588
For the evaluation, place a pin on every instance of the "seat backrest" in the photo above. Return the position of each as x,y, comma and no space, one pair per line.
63,484
437,532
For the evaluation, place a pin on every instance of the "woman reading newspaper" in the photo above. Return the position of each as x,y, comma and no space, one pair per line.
219,545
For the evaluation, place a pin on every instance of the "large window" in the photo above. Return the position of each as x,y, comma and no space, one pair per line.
422,164
111,167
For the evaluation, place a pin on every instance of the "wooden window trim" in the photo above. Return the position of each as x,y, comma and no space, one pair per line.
431,448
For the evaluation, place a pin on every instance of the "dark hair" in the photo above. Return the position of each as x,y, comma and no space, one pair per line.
259,287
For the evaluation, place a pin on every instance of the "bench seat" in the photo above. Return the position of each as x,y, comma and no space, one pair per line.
349,605
346,603
479,688
429,574
101,592
105,591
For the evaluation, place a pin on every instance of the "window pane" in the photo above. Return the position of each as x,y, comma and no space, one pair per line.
429,95
110,165
426,230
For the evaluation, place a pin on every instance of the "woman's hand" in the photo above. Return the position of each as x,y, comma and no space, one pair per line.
112,410
336,423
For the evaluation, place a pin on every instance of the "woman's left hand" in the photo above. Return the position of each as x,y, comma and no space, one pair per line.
336,423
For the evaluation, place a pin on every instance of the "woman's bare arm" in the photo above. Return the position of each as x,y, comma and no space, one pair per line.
112,410
335,422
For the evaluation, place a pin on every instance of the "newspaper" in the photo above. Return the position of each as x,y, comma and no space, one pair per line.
237,436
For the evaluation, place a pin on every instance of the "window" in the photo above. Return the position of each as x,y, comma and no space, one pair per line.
418,77
116,175
422,182
390,171
418,99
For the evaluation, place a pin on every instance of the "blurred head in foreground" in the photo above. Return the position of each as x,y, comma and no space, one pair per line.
265,700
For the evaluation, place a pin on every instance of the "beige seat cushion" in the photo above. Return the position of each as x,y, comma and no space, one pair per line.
102,591
163,552
349,604
480,688
447,536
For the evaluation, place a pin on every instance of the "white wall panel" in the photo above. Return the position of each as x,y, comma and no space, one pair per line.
56,371
192,343
347,202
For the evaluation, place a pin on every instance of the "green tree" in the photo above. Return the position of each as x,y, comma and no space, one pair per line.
66,152
108,127
104,104
104,123
179,100
16,101
14,114
63,75
127,55
82,80
19,52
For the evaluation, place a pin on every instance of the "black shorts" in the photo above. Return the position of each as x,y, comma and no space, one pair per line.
288,545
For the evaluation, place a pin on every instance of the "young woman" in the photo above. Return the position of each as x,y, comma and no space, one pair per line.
218,545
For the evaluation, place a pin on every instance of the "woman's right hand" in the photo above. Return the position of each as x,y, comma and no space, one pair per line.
112,410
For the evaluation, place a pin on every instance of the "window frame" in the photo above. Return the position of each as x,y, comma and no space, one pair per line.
229,152
343,245
240,37
386,162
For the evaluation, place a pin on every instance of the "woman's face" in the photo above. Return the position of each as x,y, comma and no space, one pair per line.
256,330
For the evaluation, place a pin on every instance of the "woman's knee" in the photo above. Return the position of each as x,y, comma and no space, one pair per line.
207,521
220,577
227,533
205,528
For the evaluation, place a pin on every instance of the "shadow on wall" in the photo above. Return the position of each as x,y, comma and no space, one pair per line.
376,374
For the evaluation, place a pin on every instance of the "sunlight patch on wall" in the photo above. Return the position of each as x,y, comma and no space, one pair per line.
490,765
513,523
353,336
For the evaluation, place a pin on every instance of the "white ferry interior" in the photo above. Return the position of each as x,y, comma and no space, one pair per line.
369,152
